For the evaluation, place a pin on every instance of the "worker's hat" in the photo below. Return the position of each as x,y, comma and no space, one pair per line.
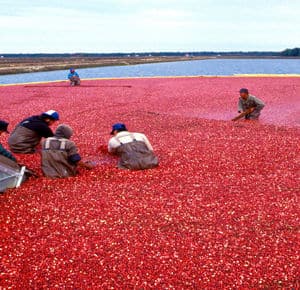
244,90
51,114
118,127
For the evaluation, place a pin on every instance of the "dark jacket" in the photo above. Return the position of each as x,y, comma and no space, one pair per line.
28,134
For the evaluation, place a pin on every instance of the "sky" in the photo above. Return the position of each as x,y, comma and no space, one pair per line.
56,26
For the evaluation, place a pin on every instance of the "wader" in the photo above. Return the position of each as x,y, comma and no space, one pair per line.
135,155
254,115
75,81
55,162
23,140
251,102
9,163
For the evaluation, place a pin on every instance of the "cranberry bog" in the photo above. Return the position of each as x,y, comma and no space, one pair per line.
220,212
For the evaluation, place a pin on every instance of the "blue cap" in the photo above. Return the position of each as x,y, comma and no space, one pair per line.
72,69
118,127
244,90
51,114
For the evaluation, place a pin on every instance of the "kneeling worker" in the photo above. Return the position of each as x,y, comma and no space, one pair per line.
134,149
73,76
60,157
5,156
249,106
28,134
9,165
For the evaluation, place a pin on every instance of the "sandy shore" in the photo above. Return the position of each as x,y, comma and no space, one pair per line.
27,65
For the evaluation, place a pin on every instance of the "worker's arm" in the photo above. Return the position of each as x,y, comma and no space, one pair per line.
75,159
47,132
147,142
7,154
86,164
259,103
240,106
73,155
112,145
42,129
243,114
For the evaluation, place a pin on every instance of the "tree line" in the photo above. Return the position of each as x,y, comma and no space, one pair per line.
294,52
291,52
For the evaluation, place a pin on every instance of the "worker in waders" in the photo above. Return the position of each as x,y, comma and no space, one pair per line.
60,157
28,134
6,158
8,164
134,149
73,76
250,104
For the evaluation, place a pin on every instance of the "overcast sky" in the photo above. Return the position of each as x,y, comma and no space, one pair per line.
147,25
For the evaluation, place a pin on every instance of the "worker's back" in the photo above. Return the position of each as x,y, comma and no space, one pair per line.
134,150
55,157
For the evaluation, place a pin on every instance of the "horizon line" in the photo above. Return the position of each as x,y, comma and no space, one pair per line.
150,52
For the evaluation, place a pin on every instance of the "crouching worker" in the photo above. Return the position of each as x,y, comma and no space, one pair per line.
73,76
249,105
28,134
134,149
6,158
60,157
11,173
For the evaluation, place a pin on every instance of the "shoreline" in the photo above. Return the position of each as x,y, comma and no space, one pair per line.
158,77
30,65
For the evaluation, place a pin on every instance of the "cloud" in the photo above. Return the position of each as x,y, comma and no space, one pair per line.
134,25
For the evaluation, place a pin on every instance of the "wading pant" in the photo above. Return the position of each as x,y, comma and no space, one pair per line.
23,140
75,81
254,115
136,156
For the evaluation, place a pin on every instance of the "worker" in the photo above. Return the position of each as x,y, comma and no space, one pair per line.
73,76
60,157
5,156
134,149
28,134
9,165
251,103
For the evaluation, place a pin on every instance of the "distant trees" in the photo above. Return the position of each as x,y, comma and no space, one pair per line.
152,54
291,52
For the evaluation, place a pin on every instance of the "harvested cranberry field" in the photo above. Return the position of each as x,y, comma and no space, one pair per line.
220,212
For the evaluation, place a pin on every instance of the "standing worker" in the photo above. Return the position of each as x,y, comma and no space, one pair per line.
134,149
60,157
28,134
249,106
73,76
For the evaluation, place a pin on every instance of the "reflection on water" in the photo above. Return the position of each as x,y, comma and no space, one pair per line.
186,68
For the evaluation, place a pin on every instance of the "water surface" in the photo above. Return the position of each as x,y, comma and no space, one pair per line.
212,67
